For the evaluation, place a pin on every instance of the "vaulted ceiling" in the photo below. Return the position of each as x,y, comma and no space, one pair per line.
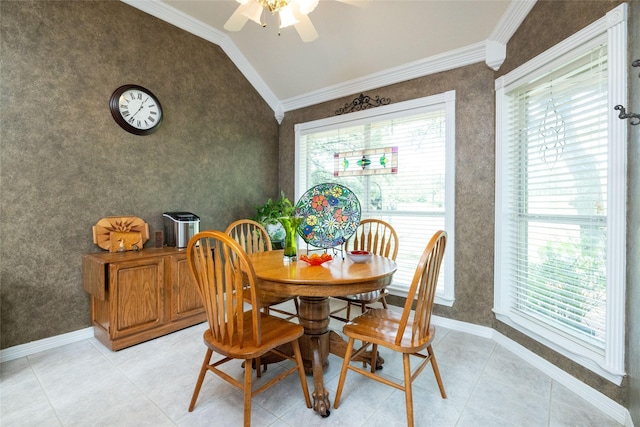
362,44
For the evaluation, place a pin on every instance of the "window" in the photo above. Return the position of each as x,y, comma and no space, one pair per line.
560,198
408,177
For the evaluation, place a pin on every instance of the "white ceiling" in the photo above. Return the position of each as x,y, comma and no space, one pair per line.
362,44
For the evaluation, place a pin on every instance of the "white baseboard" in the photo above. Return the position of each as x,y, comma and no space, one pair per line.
33,347
457,325
599,400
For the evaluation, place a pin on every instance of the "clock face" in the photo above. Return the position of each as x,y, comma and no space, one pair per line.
136,109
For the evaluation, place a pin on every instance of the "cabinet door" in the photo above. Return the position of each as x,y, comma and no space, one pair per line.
136,292
185,298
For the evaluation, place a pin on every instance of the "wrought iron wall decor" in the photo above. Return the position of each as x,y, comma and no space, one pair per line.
634,118
362,102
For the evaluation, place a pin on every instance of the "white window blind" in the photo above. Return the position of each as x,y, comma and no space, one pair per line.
413,200
557,157
560,212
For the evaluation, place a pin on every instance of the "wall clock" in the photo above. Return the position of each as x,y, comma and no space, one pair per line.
136,109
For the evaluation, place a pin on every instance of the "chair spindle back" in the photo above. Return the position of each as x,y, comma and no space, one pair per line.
423,286
375,236
221,271
251,235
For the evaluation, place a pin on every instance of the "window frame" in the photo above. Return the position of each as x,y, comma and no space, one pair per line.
405,108
612,28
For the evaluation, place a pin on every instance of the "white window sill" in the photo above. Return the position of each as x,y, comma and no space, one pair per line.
569,349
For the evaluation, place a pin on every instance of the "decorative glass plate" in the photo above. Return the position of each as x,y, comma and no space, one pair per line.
331,215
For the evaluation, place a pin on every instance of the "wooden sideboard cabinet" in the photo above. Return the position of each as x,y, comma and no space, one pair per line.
138,296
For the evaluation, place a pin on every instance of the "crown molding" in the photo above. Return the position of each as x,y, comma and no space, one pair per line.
495,54
511,20
179,19
492,51
502,33
434,64
187,23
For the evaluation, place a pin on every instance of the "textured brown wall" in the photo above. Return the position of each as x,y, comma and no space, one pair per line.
548,23
65,163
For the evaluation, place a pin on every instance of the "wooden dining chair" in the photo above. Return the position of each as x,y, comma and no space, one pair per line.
409,333
253,237
222,270
380,238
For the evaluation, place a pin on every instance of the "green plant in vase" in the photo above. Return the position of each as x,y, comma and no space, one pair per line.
268,215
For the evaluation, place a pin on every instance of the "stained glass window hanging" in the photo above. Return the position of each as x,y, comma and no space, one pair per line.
376,161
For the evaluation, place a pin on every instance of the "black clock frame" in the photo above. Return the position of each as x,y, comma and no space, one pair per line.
115,110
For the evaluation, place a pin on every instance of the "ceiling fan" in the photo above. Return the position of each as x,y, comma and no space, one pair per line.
291,12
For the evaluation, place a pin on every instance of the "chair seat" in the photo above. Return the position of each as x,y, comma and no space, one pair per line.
365,297
274,332
380,326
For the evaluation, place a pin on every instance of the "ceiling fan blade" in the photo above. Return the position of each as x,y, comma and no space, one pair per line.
305,29
307,6
238,19
356,3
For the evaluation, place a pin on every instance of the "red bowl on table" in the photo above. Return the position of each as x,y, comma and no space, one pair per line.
359,256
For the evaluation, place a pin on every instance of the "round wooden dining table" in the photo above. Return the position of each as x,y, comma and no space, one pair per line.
313,285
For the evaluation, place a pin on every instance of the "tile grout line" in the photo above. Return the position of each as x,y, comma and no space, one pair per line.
44,390
37,370
124,374
550,402
475,386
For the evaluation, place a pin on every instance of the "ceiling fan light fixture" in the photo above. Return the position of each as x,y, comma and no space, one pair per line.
286,17
254,12
273,5
291,13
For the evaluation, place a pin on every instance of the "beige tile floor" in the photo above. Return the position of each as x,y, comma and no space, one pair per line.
150,384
